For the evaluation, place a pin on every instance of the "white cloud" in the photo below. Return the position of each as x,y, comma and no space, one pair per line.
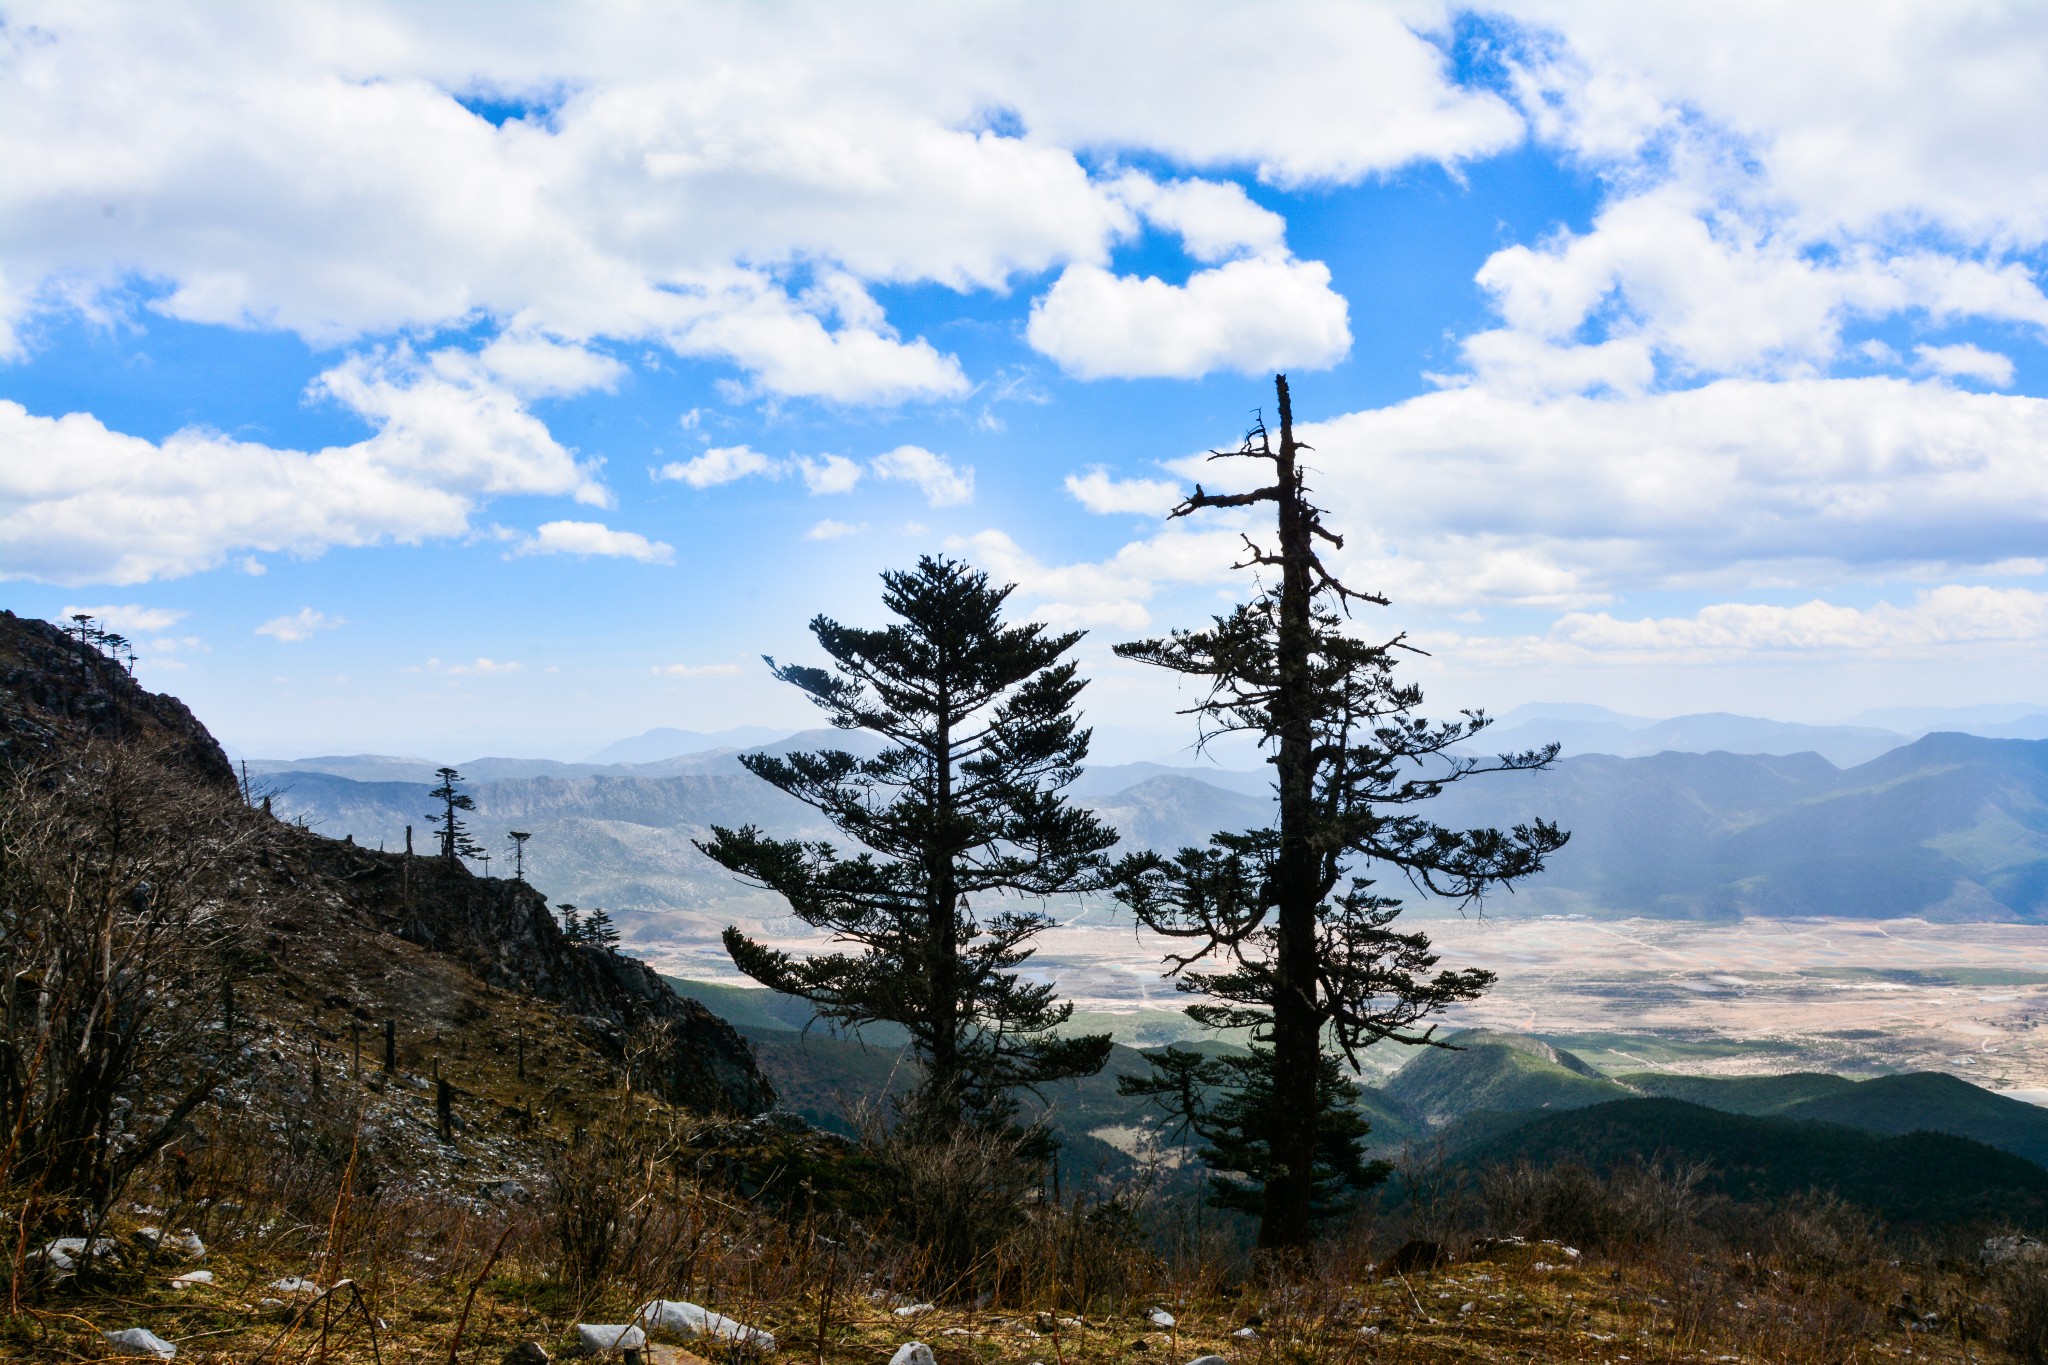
1252,316
828,529
1939,621
541,367
313,170
80,503
1966,362
697,670
823,475
1215,220
129,620
1114,592
595,538
827,474
720,464
1102,494
1831,103
1474,495
303,624
934,475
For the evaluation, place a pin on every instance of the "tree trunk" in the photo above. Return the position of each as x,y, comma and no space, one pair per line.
944,1082
1297,1042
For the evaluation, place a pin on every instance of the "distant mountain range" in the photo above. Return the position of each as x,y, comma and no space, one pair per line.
1583,729
1950,826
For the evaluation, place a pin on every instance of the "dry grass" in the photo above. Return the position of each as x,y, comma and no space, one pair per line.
416,1277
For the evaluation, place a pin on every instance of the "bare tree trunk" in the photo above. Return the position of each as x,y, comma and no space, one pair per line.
1297,1044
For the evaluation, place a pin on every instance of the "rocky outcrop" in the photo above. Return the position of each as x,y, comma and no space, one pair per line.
503,932
57,692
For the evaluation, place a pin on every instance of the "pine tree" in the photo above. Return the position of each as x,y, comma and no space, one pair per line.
1291,938
455,840
1227,1101
572,922
600,930
960,820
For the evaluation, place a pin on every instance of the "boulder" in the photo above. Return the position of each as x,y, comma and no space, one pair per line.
691,1319
597,1337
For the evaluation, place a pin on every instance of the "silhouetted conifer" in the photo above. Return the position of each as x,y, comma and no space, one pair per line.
455,840
960,823
1301,943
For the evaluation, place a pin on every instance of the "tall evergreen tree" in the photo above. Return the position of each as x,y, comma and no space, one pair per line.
455,838
959,821
1290,935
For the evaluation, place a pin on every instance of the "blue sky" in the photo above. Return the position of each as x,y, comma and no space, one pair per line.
507,379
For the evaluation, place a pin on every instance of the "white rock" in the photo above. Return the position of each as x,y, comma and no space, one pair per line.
66,1252
911,1310
1247,1333
140,1341
1570,1253
1208,1360
677,1316
913,1353
190,1278
188,1245
610,1336
1159,1317
292,1284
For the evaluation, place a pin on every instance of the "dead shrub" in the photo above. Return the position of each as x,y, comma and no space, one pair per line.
1636,1207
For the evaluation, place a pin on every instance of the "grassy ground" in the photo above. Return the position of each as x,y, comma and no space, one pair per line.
1518,1303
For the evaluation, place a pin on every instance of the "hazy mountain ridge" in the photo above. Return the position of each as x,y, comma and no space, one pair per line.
1950,827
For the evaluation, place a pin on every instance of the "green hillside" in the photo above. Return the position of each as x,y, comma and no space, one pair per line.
1930,1101
1743,1094
1922,1179
1499,1072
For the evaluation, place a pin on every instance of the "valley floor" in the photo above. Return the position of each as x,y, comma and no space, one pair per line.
1855,997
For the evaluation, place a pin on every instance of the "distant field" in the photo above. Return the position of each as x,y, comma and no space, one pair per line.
1855,997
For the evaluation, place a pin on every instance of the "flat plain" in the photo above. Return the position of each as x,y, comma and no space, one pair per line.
1755,996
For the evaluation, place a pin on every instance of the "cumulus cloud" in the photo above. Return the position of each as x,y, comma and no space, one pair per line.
593,538
1214,219
1253,316
80,503
1112,592
534,366
1566,501
130,619
1101,493
823,475
1964,361
942,484
720,464
828,529
303,624
827,474
1935,622
316,170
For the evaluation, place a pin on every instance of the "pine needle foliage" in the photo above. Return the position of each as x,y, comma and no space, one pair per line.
1284,928
456,841
960,822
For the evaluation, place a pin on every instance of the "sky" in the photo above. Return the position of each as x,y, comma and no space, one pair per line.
467,379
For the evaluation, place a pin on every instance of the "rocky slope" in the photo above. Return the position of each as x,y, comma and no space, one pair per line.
354,907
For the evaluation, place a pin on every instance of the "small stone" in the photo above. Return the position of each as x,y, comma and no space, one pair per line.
527,1353
140,1341
913,1353
598,1337
293,1284
1246,1333
1159,1317
1208,1360
911,1310
191,1278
